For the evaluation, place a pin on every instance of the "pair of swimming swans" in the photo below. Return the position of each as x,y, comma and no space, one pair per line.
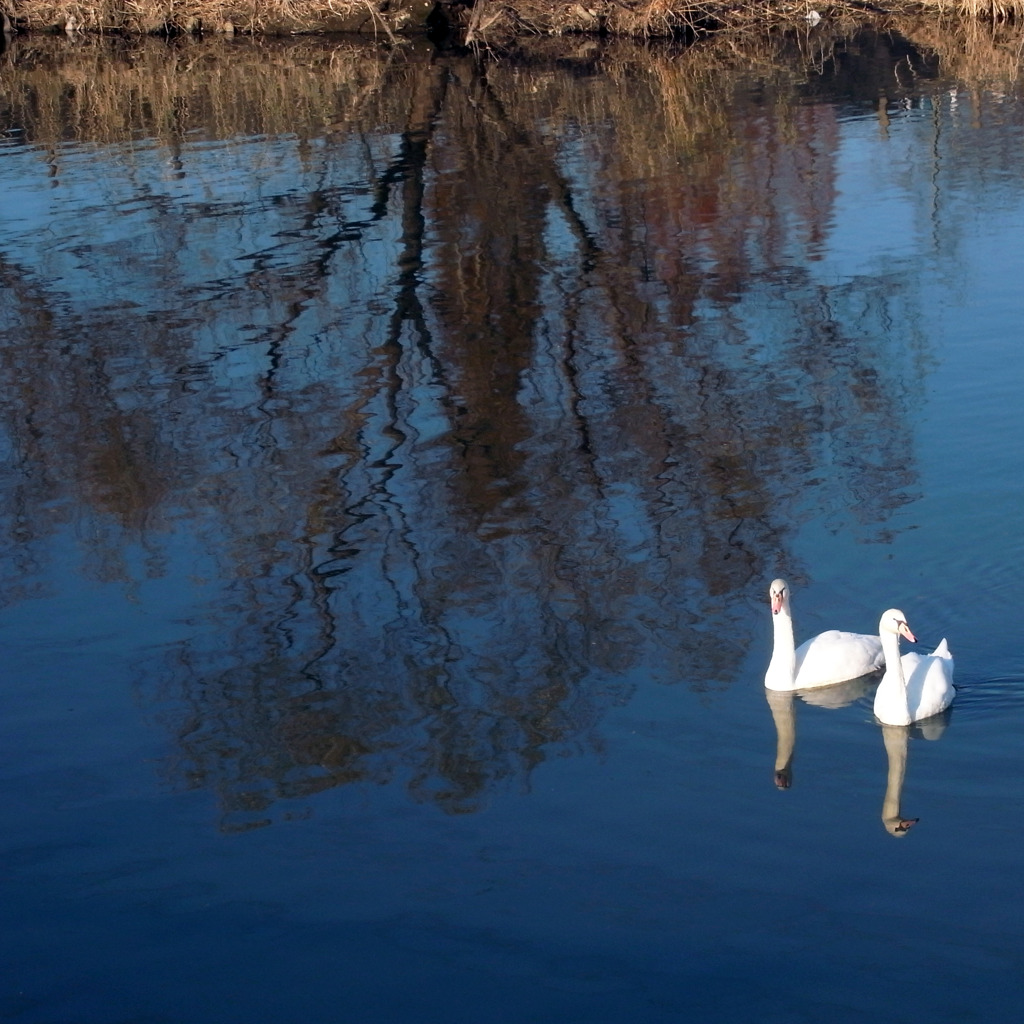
914,686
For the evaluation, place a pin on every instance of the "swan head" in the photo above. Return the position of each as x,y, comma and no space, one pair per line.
899,827
778,594
894,621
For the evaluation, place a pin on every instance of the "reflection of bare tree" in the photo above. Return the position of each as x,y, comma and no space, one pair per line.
461,418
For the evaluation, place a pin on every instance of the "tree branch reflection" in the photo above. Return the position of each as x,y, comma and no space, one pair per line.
463,401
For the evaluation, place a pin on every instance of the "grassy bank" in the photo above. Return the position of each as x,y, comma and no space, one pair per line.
482,21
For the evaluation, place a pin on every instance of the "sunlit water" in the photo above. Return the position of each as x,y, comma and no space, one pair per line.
395,460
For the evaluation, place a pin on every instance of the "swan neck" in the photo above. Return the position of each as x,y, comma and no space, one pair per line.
893,688
782,667
893,664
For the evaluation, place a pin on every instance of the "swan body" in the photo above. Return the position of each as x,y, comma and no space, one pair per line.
915,686
829,658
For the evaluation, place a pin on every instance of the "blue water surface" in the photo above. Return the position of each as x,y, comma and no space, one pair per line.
388,515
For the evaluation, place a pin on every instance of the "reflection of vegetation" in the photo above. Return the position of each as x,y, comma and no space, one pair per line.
118,90
980,54
454,398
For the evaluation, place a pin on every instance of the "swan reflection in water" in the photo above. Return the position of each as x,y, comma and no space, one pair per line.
895,737
784,714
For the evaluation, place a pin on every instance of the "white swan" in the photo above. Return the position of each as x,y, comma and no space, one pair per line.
915,686
829,658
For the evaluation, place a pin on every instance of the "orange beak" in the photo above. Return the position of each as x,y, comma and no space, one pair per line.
904,630
777,603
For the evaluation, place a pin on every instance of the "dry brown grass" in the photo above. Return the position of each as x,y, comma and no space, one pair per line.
483,21
277,17
491,20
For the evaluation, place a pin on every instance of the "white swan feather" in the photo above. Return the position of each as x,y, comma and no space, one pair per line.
826,659
915,686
